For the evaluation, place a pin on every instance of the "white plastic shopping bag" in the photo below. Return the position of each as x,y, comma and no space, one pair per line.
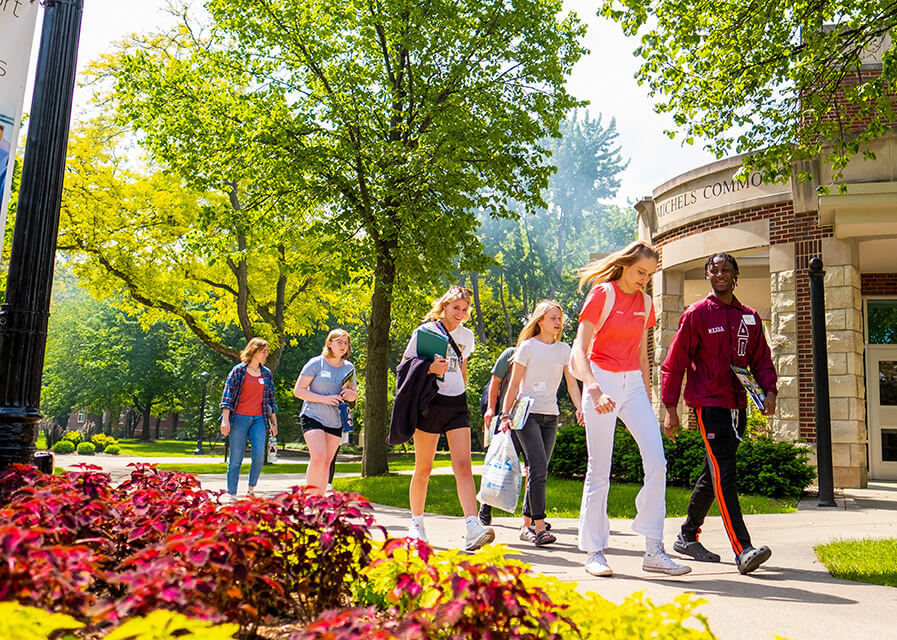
500,483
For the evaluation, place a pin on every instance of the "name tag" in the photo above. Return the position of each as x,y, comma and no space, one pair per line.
540,386
749,319
325,374
261,381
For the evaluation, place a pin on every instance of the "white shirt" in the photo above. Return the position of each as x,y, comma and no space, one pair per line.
544,370
452,383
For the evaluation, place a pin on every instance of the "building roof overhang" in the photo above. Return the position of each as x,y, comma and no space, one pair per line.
866,210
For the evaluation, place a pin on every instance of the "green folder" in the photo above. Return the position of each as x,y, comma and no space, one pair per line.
431,344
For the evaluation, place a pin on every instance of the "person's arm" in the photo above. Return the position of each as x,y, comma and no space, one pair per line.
225,422
681,352
644,363
463,369
302,391
575,394
580,358
494,387
517,371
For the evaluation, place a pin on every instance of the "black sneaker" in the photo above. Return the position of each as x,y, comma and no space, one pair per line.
694,549
485,515
751,558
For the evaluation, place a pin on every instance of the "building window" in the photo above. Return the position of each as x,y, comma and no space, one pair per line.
882,318
80,417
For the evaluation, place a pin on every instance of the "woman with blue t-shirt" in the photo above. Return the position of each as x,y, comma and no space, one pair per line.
324,383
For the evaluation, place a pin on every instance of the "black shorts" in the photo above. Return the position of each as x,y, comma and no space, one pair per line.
446,413
310,424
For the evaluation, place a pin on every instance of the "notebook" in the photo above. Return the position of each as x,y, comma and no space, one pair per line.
431,344
750,385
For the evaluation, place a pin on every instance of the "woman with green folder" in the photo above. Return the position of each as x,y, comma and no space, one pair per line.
448,413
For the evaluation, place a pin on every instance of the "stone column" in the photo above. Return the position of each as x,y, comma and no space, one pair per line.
845,344
783,340
669,303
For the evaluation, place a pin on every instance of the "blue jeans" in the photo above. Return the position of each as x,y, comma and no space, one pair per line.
242,428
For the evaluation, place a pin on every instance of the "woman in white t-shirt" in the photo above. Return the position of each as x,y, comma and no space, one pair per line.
448,414
325,382
540,361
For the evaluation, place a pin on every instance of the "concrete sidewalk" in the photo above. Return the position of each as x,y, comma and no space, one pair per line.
792,595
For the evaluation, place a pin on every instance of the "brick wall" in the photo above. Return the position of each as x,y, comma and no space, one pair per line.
879,284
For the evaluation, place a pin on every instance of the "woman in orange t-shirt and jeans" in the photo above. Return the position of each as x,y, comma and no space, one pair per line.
610,356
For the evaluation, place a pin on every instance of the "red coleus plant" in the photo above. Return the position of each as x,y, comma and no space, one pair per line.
78,545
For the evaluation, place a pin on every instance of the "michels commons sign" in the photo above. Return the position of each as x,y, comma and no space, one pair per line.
713,191
17,20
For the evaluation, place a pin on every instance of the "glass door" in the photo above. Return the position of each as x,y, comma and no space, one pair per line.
881,387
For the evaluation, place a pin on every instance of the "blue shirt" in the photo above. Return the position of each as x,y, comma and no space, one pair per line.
326,380
234,384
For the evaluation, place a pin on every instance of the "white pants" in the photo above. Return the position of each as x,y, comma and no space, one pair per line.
633,407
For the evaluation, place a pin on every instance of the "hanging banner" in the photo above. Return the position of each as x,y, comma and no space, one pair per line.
17,21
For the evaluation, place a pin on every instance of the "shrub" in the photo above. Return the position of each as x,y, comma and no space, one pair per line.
112,450
765,467
100,441
19,621
75,437
86,449
64,447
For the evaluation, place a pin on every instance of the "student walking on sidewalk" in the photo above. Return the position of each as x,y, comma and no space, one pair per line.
714,334
247,406
325,382
448,414
610,356
540,362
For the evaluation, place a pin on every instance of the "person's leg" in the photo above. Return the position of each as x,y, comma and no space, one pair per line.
699,503
639,417
332,465
316,473
718,431
459,449
239,432
258,431
424,453
533,445
594,526
333,444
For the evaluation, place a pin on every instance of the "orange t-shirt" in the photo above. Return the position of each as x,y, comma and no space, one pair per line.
252,393
616,346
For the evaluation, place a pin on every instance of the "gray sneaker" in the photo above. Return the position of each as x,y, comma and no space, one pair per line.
478,536
596,564
658,561
694,549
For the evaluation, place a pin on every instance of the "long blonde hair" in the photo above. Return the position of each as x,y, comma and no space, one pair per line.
610,268
531,328
252,347
327,352
437,311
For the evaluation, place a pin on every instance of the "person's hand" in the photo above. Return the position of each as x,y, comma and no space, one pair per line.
332,400
580,418
274,429
769,405
439,366
603,402
349,395
225,427
487,418
505,423
671,423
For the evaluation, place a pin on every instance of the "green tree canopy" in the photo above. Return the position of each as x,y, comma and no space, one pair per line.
391,122
782,81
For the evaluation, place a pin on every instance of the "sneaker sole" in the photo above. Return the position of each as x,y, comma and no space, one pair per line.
606,573
487,537
755,561
678,571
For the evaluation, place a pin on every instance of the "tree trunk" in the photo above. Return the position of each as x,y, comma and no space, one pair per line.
481,327
145,432
175,418
376,406
504,307
158,427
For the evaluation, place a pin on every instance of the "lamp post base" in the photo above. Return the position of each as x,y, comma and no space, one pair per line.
18,433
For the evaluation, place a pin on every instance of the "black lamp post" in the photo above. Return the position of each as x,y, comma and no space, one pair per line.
24,315
820,386
202,414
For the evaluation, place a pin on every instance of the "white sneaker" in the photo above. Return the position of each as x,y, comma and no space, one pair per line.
477,536
596,564
329,490
416,531
658,561
228,498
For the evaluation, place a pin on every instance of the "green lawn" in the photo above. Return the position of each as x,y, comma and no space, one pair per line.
159,448
280,467
563,497
872,561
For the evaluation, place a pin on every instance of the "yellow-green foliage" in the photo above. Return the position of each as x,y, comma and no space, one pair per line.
168,625
596,617
29,623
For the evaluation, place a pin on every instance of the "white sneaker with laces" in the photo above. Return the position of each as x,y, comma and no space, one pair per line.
596,564
416,531
657,561
478,536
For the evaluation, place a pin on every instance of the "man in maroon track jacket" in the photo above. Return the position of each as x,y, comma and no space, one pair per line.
713,334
